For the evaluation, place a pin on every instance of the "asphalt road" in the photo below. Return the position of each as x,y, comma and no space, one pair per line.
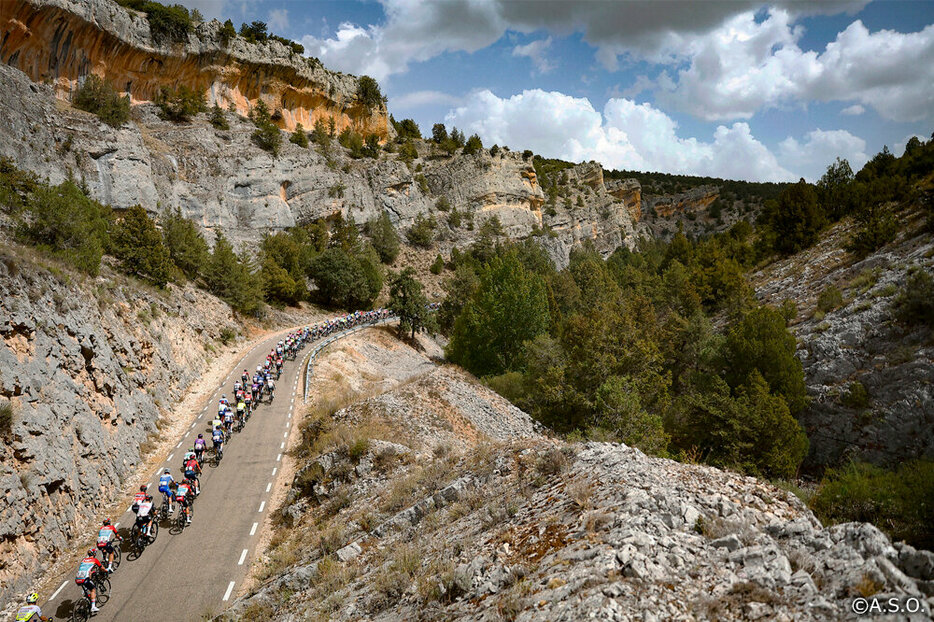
183,576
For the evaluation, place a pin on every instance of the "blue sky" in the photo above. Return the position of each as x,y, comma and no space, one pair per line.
732,88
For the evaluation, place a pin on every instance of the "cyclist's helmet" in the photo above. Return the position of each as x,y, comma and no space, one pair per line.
32,598
106,521
92,552
168,471
224,397
201,436
142,488
191,450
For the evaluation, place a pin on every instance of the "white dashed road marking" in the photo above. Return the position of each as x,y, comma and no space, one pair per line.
268,486
262,506
229,590
242,557
253,529
171,456
282,445
274,471
279,457
59,590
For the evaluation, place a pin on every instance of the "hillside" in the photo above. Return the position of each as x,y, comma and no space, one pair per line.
421,495
97,375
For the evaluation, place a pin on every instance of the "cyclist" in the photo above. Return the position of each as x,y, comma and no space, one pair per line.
245,377
217,421
192,471
189,455
228,422
241,409
105,539
200,446
183,496
166,481
271,388
140,496
255,388
248,402
218,437
145,516
30,612
88,570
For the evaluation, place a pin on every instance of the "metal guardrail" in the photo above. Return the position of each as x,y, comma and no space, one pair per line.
321,345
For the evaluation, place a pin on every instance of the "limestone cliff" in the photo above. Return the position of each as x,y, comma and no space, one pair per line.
94,370
59,42
222,180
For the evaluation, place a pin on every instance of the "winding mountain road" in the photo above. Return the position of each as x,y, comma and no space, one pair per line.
192,574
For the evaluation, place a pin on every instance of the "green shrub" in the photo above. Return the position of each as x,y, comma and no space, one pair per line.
267,134
179,105
166,23
384,238
829,299
914,305
227,32
345,279
137,244
65,222
299,137
369,94
855,396
254,32
876,226
437,265
218,119
99,97
442,204
473,145
187,247
227,335
422,231
897,501
352,141
6,420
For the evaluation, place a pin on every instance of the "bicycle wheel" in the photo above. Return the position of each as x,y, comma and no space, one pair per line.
103,590
82,610
117,555
153,532
137,538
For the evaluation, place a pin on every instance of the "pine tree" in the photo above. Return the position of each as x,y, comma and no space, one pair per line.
187,247
138,245
407,301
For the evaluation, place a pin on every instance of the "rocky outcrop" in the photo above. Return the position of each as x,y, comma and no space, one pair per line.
59,42
869,378
457,508
222,180
629,191
89,367
694,201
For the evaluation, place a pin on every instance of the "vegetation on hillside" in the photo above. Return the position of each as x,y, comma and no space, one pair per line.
167,24
97,96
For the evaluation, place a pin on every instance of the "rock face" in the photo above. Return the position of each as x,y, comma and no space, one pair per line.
62,41
88,369
694,201
222,180
857,345
459,509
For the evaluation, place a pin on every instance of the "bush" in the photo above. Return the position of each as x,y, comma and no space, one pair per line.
876,227
795,220
267,134
6,420
898,501
166,23
299,137
230,277
352,141
422,231
437,265
409,303
384,238
137,244
856,395
914,305
218,119
227,32
760,341
254,32
346,280
64,221
99,97
829,299
179,105
442,204
369,94
473,145
187,247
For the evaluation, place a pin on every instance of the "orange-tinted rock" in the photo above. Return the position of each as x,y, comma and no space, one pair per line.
62,41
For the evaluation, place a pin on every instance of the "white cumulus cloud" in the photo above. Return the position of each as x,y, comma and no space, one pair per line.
278,20
626,135
424,98
746,65
854,110
811,157
536,51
